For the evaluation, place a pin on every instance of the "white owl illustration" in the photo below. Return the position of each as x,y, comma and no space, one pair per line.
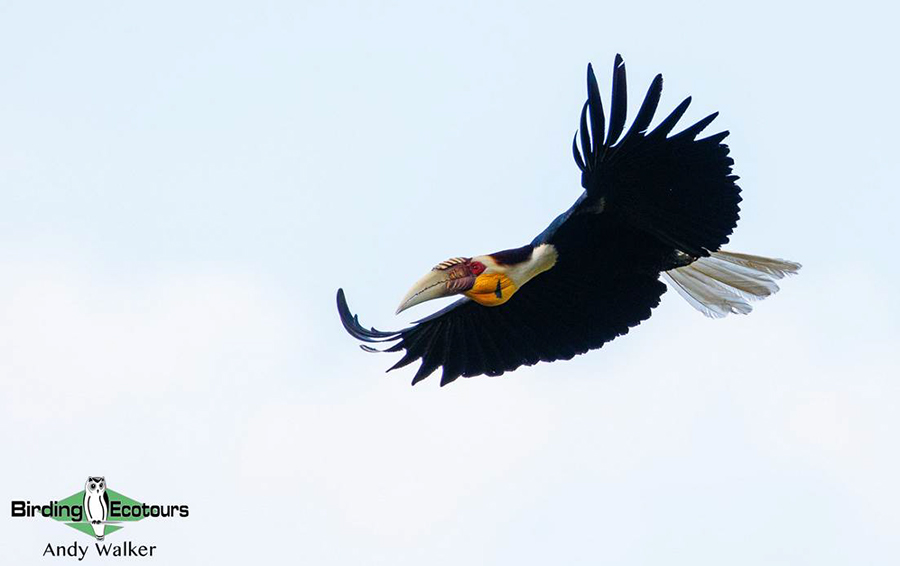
96,504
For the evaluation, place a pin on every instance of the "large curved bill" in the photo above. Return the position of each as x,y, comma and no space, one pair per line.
436,284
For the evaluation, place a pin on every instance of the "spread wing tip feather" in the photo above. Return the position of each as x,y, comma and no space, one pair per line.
618,104
357,330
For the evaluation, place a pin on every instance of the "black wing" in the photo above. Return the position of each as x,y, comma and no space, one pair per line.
677,188
578,305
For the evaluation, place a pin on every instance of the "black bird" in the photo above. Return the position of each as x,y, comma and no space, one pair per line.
653,205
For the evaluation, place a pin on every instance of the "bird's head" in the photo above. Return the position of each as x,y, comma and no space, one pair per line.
481,278
489,280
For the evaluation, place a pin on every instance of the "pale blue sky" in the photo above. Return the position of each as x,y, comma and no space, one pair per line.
184,187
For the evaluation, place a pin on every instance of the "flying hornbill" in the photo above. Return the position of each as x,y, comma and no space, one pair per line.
653,204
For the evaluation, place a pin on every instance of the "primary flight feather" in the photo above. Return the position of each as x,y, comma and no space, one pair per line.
653,205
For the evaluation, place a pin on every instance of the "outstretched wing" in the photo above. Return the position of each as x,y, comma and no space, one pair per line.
678,188
578,305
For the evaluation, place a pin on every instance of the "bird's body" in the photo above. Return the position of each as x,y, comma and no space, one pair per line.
652,204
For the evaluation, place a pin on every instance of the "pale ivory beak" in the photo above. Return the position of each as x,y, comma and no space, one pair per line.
436,284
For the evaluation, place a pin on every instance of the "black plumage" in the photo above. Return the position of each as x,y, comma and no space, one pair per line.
651,202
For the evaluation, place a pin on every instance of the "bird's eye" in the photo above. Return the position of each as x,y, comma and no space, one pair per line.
477,268
93,486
